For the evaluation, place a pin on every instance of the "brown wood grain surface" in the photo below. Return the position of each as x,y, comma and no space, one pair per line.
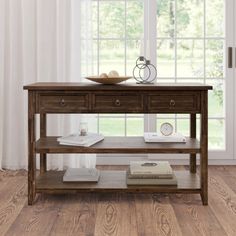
113,181
76,215
222,201
118,145
13,197
119,213
44,86
187,98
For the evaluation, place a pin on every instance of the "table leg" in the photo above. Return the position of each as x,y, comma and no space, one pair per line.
31,148
43,133
204,148
192,164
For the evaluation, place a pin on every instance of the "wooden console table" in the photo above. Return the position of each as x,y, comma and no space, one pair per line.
46,98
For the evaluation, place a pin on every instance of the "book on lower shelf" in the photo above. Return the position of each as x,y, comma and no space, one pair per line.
81,175
148,176
159,138
150,173
82,141
150,168
157,181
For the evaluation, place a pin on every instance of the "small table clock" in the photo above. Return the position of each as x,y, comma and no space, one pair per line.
167,129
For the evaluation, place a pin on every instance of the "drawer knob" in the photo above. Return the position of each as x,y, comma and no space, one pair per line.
63,103
117,102
172,103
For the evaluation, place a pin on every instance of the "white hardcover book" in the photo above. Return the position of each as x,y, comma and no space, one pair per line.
159,138
150,167
77,140
88,144
81,175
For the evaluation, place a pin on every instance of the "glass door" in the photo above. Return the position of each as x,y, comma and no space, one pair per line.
192,40
192,44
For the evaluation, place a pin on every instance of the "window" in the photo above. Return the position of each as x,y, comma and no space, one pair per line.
190,43
190,48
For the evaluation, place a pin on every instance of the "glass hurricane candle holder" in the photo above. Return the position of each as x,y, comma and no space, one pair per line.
83,128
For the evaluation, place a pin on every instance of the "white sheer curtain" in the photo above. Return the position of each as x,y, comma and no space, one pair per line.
40,40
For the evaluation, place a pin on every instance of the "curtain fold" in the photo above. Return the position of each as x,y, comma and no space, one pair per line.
40,40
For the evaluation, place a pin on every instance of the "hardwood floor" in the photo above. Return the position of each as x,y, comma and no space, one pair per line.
119,213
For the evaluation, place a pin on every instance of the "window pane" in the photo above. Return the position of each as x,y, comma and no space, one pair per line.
183,127
190,61
165,58
215,17
190,18
111,19
135,127
216,134
112,126
216,98
134,19
165,18
132,53
186,116
94,19
187,80
111,114
215,58
112,56
162,116
164,80
88,58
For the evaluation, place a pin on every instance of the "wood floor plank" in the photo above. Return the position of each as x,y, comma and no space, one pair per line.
194,218
227,173
13,197
76,216
164,216
200,219
128,223
115,215
155,215
38,219
222,201
125,202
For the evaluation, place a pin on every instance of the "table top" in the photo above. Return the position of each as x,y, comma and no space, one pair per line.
73,86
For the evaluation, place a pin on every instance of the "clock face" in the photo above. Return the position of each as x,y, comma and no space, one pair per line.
166,129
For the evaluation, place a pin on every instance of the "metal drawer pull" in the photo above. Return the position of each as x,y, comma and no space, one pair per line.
172,102
63,103
117,102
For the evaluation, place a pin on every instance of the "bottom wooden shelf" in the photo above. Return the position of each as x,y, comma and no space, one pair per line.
114,181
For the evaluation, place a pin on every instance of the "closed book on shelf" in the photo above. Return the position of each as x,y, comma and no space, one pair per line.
172,181
148,176
150,167
81,175
83,141
159,138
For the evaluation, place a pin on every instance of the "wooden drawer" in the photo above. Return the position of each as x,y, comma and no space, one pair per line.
116,102
180,101
63,102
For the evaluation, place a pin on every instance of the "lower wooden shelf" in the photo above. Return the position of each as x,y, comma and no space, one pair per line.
114,181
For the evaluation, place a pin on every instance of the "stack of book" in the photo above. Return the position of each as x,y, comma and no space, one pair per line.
81,175
78,140
150,173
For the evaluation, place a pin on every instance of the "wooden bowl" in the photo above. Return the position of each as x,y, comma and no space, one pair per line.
110,80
